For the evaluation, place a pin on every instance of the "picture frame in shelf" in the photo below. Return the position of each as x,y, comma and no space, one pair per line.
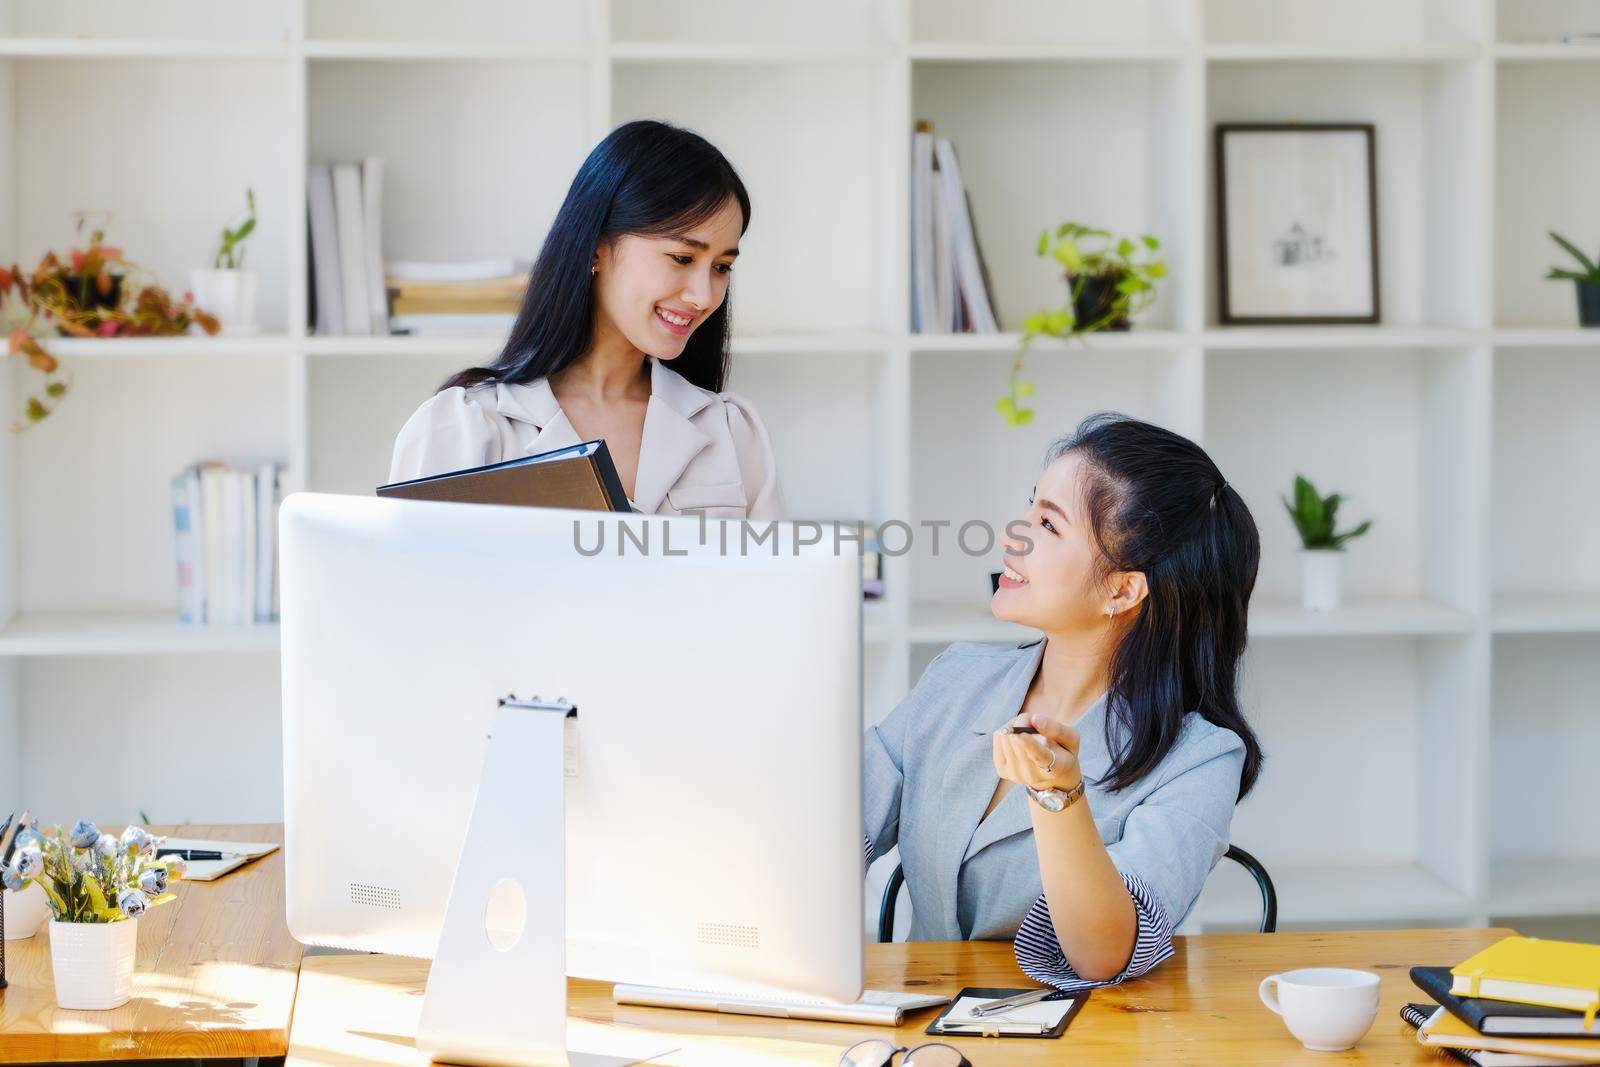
1297,223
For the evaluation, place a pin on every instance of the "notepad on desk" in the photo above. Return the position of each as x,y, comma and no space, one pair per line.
234,853
1042,1018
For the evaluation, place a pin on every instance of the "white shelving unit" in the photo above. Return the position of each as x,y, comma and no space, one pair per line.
1425,753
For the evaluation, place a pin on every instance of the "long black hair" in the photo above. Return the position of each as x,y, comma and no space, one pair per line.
646,178
1157,503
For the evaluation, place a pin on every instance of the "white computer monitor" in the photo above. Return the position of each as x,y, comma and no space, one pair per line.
713,793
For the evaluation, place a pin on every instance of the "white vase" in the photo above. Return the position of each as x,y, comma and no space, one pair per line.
93,963
230,295
25,912
1321,578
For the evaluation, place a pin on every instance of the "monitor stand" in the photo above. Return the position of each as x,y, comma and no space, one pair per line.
497,990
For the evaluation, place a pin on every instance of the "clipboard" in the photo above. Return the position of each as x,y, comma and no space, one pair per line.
936,1027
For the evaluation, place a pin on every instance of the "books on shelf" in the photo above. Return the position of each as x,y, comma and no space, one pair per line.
344,213
951,288
477,297
225,522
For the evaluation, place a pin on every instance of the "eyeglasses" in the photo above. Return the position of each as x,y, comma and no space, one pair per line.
880,1053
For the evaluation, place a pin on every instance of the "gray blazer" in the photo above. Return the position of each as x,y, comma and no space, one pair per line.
929,773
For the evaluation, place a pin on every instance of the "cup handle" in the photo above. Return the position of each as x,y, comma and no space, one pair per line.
1270,999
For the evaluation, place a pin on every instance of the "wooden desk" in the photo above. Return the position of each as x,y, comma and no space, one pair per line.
215,975
1198,1007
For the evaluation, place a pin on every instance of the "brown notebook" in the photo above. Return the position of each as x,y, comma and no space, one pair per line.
581,477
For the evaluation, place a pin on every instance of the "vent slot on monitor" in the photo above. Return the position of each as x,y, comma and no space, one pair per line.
374,896
729,935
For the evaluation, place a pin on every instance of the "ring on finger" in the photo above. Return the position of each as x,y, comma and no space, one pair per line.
1048,767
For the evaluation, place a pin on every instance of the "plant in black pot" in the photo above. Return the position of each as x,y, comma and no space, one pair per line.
1587,279
1109,280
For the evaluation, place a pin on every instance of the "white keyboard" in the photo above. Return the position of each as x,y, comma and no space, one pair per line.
877,1007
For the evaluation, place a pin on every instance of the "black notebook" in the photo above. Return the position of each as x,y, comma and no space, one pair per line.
1502,1018
579,476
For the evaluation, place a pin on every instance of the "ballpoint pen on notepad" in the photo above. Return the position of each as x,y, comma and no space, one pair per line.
192,854
994,1007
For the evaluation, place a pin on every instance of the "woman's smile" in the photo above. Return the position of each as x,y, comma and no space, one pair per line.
677,323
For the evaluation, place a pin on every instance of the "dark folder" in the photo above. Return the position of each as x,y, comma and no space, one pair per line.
580,476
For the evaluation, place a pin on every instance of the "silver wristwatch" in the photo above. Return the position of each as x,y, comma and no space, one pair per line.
1054,800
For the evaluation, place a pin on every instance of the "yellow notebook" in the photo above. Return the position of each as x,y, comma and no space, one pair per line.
1444,1030
1532,970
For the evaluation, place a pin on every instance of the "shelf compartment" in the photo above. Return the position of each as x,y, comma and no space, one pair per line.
93,499
1534,22
969,466
1543,152
1422,411
1430,145
1541,750
811,219
220,130
1347,718
997,113
1545,434
457,183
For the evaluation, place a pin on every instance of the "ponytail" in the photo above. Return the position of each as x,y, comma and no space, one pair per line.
1158,504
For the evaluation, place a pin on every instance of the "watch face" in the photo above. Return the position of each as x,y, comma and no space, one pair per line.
1050,799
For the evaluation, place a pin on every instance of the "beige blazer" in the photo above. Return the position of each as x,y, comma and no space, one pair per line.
701,451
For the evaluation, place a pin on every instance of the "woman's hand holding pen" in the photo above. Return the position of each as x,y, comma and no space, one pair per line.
1037,751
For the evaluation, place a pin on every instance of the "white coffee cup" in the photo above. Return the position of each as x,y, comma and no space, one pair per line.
1328,1008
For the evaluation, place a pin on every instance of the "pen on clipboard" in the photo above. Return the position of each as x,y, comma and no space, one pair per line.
994,1007
192,854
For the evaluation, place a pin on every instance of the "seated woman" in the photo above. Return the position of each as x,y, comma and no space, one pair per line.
1136,561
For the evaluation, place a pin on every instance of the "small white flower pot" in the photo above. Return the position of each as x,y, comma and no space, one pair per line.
93,963
25,912
1321,578
230,295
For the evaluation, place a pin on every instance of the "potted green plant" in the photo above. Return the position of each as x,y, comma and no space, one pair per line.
1587,279
1322,550
1108,279
97,885
227,290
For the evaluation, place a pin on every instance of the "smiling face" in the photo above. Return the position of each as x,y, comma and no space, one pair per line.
1053,585
656,291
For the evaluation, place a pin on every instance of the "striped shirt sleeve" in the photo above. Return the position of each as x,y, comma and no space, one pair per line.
866,853
1039,951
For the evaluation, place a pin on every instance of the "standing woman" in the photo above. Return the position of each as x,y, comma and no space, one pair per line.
1088,842
623,335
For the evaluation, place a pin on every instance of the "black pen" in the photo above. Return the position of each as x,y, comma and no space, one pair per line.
195,854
